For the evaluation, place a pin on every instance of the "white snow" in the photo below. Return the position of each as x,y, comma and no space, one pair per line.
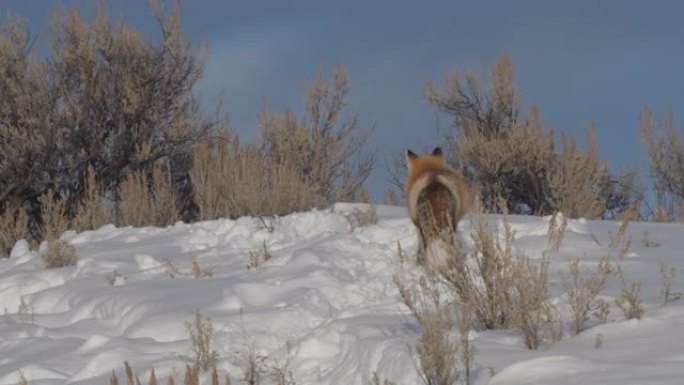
327,291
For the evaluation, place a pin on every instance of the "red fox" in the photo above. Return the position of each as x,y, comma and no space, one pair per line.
437,197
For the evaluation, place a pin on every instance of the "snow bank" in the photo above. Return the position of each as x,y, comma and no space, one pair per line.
327,291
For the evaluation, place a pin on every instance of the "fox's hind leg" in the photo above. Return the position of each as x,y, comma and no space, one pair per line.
437,209
426,227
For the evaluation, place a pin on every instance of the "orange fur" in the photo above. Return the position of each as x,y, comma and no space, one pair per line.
431,186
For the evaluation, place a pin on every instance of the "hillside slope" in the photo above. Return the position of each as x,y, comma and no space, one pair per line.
326,292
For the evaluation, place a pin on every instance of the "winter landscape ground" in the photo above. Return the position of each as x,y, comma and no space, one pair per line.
326,293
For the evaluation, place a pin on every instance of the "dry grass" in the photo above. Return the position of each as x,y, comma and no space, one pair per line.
93,211
191,377
22,379
233,180
668,276
148,199
201,331
131,377
26,312
55,222
199,271
13,227
59,253
377,381
196,271
258,257
646,240
582,286
620,241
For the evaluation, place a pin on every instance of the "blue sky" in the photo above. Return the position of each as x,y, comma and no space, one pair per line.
579,61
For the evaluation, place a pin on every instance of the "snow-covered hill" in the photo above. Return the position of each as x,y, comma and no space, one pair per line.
326,292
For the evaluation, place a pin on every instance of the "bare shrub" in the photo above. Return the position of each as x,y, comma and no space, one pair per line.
279,370
437,354
601,310
201,332
196,271
59,253
576,181
13,227
323,147
581,287
664,146
199,271
22,379
465,325
99,95
269,223
25,311
646,240
629,301
532,313
513,156
294,163
253,365
668,276
258,257
115,278
361,218
598,342
500,289
26,144
173,270
484,279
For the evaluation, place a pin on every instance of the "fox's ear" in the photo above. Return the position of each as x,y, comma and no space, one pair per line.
410,155
437,151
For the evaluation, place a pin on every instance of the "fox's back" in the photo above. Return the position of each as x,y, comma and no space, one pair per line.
437,197
437,207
